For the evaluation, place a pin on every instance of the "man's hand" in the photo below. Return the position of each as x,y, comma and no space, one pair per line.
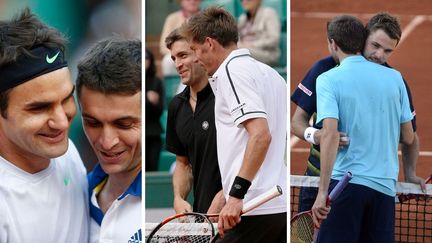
216,206
320,210
230,215
416,180
181,205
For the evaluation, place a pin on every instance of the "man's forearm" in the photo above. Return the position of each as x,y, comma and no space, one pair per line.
409,157
182,180
299,122
255,153
329,147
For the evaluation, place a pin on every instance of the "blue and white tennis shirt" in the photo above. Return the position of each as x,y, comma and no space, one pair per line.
122,221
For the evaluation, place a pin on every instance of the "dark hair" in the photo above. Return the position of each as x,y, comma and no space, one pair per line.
174,36
386,22
348,32
214,22
151,70
111,66
20,35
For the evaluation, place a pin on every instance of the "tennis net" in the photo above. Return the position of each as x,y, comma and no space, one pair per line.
413,217
181,232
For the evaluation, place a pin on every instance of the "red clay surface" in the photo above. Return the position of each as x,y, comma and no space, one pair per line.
413,58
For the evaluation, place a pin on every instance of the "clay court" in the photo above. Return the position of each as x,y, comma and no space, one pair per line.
412,57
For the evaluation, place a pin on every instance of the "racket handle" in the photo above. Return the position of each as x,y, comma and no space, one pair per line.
340,186
261,199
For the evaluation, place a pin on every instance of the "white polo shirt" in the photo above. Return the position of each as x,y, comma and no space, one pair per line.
244,89
50,206
122,221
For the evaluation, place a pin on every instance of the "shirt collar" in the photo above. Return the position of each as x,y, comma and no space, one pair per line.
234,53
353,58
98,175
202,94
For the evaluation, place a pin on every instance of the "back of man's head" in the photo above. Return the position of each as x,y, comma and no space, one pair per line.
111,66
386,22
348,33
24,43
214,22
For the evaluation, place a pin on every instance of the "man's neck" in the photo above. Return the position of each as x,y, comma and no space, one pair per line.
198,86
27,162
341,55
224,52
116,185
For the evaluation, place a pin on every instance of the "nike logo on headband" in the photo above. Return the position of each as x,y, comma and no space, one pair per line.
52,59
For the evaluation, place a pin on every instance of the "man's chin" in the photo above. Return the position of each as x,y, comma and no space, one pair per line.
56,149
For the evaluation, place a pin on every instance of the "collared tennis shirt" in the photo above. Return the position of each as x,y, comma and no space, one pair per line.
48,206
122,221
245,89
370,102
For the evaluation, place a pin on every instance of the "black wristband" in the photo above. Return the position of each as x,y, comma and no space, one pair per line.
239,187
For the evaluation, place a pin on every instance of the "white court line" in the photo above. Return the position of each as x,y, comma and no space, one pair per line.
294,140
411,26
306,150
329,15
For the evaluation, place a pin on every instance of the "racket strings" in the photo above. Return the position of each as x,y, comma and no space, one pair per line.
302,229
187,228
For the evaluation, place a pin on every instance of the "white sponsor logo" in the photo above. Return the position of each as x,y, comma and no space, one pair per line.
238,107
205,125
304,89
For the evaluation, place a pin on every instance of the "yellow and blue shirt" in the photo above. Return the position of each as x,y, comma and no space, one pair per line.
122,221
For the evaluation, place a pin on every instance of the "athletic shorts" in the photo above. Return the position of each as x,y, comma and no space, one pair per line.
270,228
359,214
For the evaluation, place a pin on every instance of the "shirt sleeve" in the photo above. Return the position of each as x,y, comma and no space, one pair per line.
327,106
406,114
173,143
411,103
242,94
304,95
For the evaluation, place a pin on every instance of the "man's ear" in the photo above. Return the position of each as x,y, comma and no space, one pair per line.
211,42
333,44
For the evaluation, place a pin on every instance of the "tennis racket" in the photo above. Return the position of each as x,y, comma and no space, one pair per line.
419,197
302,227
197,227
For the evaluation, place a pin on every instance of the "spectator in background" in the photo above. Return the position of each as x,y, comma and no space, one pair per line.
259,31
154,95
172,22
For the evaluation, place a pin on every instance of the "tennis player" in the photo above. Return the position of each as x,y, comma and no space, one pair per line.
191,134
369,103
384,33
109,93
250,114
43,194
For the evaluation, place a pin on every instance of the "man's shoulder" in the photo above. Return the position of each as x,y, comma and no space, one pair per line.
321,66
177,101
326,63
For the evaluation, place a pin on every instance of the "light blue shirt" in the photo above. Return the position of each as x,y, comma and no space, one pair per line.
370,103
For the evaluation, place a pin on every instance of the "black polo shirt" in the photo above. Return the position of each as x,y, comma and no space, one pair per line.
194,135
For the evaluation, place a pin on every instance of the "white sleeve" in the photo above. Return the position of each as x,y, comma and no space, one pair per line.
242,95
